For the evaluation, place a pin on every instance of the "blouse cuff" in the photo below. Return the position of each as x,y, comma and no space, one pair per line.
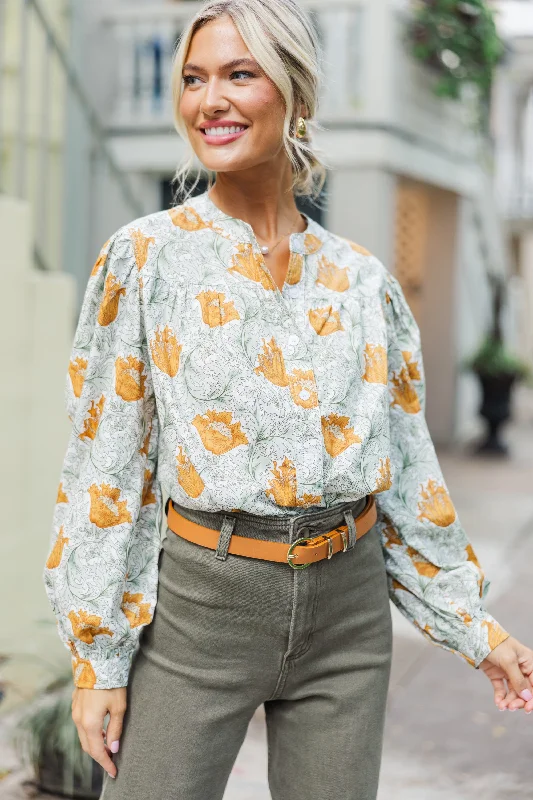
103,673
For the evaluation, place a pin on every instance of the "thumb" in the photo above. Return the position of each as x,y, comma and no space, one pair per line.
114,728
518,681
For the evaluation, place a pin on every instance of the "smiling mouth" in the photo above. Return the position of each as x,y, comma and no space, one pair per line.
229,131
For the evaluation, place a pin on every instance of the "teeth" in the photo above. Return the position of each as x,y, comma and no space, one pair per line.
224,131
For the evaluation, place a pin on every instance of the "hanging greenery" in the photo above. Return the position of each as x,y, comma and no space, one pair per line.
459,40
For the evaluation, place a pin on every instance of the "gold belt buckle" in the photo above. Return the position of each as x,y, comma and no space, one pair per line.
291,555
327,536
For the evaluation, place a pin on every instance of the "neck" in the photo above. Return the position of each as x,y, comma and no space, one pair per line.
262,197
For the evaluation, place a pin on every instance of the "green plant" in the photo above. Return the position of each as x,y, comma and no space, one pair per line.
46,737
493,358
459,40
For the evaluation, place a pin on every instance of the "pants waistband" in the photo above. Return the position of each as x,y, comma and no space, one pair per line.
283,527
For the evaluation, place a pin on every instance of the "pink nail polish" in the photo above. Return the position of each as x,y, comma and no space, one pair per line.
114,747
526,695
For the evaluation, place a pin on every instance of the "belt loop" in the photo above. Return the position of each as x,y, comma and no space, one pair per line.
224,539
352,534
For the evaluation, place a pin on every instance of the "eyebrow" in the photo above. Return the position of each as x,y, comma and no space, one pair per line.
235,63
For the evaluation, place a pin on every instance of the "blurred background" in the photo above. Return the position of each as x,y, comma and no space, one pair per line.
427,111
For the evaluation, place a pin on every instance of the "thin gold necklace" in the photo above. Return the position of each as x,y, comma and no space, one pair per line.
266,250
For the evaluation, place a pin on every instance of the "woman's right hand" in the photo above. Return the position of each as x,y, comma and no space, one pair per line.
89,708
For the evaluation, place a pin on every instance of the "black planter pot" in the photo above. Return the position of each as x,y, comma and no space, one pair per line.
52,777
496,409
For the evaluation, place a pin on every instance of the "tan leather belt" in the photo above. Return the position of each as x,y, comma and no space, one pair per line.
300,554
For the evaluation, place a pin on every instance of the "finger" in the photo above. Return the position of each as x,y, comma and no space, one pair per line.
514,702
114,728
83,738
517,679
500,690
97,749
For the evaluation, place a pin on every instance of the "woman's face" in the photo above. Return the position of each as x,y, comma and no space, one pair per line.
218,90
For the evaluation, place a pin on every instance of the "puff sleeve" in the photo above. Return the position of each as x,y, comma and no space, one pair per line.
435,578
102,569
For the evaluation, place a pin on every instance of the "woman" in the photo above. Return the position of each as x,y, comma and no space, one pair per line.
269,373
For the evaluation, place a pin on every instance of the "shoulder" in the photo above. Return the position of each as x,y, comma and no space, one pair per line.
133,244
366,268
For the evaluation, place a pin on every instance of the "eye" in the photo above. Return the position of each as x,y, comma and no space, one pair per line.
242,72
188,79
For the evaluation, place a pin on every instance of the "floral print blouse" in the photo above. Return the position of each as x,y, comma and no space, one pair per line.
193,376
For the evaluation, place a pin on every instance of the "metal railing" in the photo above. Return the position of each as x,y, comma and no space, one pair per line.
145,38
38,81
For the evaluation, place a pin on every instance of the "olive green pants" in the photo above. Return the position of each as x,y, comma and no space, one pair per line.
313,645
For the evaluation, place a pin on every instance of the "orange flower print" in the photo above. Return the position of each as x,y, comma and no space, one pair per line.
188,477
384,481
130,382
137,612
294,271
216,310
472,557
76,370
92,420
61,496
421,564
141,243
496,634
312,244
436,505
217,431
337,435
272,364
283,487
148,497
86,626
465,616
404,393
166,351
186,218
391,536
331,276
412,366
107,510
54,559
100,261
249,265
397,585
113,291
146,443
357,248
325,321
83,673
303,388
376,364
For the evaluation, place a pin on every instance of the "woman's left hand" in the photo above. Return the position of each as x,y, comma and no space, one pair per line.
509,667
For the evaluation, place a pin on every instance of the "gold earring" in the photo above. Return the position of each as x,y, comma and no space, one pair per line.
301,128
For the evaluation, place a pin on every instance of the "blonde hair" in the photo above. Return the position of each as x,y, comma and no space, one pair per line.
283,41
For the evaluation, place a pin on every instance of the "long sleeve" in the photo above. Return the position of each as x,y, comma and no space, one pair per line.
434,576
102,569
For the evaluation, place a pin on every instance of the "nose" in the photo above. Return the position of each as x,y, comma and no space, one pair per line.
213,98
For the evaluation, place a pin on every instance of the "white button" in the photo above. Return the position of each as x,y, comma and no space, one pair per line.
293,339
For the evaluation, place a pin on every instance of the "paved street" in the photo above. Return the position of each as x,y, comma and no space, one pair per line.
445,740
